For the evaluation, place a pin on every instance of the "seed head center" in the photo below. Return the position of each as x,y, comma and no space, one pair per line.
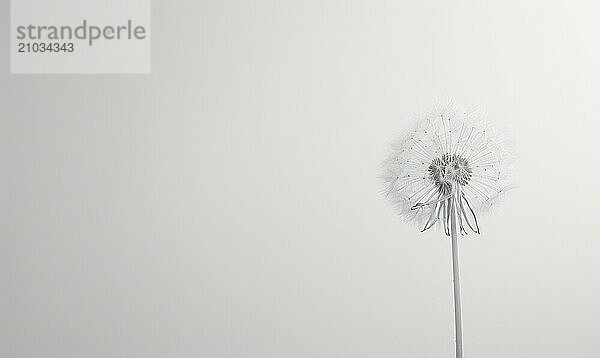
449,169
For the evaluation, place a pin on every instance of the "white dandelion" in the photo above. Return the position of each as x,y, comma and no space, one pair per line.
448,169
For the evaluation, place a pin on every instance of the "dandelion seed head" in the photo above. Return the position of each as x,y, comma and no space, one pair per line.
451,158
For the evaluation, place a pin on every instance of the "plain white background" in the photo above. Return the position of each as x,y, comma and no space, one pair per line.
227,204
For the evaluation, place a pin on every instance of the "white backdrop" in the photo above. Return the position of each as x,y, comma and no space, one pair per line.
227,204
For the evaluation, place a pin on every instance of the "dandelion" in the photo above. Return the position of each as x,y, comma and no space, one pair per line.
448,169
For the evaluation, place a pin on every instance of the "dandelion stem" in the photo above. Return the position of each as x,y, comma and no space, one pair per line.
455,279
